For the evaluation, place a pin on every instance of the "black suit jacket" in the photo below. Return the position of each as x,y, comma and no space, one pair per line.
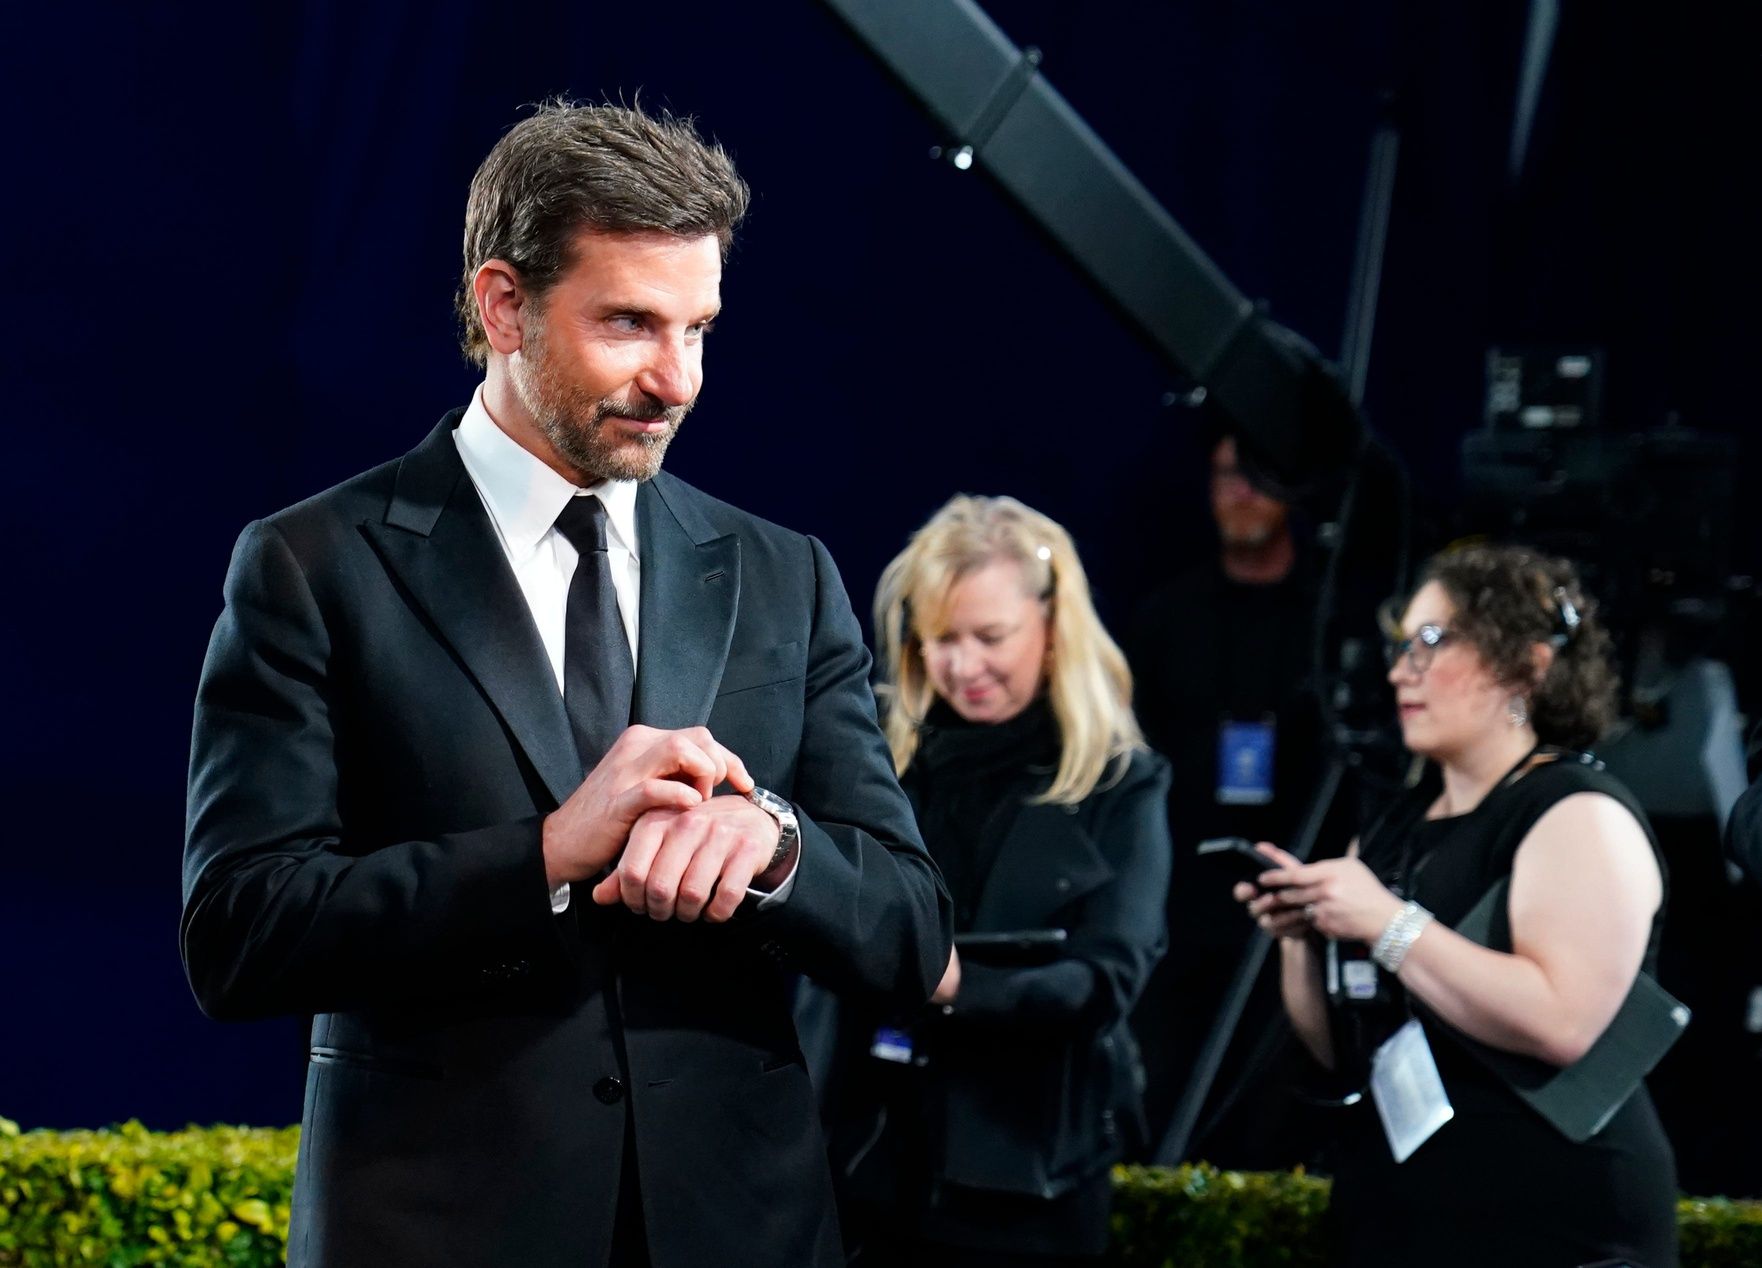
378,737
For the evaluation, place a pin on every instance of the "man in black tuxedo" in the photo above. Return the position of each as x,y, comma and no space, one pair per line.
535,773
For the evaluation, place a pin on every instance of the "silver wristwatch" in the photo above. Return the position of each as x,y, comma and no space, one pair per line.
789,830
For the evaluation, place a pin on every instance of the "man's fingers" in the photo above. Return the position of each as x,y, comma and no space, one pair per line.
737,777
653,794
649,826
733,771
692,756
737,877
636,736
687,839
632,871
676,755
609,890
687,861
697,886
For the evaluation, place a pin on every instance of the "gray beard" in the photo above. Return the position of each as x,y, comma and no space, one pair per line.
575,423
596,456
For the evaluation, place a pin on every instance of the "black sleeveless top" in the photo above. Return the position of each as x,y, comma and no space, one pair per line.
1447,865
1497,1183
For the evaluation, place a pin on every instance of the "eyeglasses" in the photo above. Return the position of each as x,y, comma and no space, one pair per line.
1420,649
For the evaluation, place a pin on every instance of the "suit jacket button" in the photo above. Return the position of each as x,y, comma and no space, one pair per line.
609,1090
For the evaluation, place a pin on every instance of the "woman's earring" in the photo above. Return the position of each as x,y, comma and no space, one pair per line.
1517,711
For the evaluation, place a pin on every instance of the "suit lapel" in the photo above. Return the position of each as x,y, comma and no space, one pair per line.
690,591
438,540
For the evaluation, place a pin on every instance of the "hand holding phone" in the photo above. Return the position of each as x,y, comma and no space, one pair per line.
1263,903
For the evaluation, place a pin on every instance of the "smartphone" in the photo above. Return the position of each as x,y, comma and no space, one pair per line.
1241,851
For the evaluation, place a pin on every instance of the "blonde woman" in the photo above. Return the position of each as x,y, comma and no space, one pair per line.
981,1131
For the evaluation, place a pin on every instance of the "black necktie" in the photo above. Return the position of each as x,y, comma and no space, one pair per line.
598,676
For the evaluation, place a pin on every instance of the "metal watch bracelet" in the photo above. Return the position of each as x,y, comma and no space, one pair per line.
788,829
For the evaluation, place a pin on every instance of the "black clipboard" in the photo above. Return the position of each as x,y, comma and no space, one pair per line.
1580,1099
1015,949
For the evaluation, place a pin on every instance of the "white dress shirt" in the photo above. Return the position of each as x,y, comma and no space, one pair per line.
524,497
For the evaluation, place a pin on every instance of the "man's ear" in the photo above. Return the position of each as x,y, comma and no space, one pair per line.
500,299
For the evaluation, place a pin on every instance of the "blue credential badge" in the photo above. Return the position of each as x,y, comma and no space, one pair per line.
892,1044
1245,762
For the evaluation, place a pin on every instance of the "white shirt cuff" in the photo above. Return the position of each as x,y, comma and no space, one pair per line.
779,895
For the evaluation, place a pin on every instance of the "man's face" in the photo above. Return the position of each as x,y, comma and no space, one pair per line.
1245,516
612,356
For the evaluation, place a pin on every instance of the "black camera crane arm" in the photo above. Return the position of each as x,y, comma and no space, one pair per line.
1287,405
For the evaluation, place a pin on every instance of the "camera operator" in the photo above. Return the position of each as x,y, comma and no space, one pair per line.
1222,656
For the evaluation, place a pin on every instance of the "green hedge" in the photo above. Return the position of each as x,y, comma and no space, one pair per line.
1195,1214
199,1198
207,1198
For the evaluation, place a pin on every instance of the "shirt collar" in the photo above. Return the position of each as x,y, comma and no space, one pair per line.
524,496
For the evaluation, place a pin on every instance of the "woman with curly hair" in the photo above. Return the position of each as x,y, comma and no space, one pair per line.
980,1131
1502,677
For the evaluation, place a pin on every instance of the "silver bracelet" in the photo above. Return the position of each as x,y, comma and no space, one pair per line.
1399,935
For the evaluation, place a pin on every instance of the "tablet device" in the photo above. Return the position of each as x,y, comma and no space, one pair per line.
1016,947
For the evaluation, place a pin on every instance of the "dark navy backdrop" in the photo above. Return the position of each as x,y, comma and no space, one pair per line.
232,248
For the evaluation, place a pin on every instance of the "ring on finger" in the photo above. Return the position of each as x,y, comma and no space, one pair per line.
1309,912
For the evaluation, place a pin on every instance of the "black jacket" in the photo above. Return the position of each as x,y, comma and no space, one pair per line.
378,737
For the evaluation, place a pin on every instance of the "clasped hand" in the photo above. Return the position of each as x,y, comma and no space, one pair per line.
1336,898
648,813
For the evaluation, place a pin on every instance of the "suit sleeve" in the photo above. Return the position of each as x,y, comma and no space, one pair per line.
279,915
1118,937
869,913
